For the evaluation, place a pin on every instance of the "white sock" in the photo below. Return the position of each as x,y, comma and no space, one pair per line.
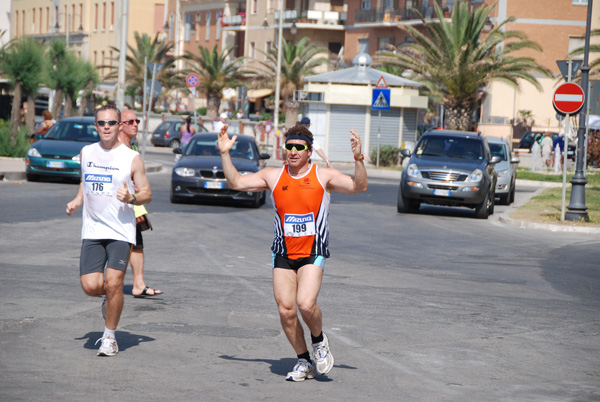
109,333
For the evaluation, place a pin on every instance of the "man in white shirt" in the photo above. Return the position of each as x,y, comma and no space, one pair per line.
106,192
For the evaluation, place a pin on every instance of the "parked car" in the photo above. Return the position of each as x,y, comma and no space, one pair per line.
167,133
199,173
530,136
450,168
506,170
56,154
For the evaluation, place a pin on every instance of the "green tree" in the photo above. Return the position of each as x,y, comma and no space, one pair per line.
298,61
156,51
82,77
594,60
216,72
22,60
452,59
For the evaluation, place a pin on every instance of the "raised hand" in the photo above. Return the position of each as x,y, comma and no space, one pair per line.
355,143
225,143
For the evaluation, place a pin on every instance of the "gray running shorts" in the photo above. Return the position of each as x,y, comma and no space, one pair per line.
98,254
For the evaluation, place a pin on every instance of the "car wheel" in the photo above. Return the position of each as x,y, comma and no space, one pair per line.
402,202
175,144
511,199
492,203
504,199
482,211
257,202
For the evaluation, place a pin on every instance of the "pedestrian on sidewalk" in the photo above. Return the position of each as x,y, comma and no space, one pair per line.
128,130
301,195
106,192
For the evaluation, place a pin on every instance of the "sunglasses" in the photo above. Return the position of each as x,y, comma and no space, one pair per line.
130,122
111,123
297,147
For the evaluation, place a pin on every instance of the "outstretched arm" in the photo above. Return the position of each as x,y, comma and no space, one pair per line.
346,184
251,182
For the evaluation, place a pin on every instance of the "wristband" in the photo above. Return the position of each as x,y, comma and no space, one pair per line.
359,158
134,199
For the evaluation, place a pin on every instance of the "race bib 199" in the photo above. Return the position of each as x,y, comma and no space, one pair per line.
299,225
98,184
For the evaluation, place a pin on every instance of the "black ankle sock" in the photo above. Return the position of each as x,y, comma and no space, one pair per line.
317,339
305,356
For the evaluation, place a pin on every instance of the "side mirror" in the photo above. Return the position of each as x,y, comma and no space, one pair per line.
265,156
406,152
177,151
495,159
514,159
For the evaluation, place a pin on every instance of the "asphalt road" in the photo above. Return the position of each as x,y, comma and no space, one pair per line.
434,306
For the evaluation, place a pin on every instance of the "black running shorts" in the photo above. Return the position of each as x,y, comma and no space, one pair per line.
98,254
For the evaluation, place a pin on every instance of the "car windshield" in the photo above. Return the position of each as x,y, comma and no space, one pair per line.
163,126
73,131
450,147
499,150
202,147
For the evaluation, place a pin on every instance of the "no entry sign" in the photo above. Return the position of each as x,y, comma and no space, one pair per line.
568,98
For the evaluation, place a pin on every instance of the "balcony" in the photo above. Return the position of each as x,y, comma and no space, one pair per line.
390,15
233,20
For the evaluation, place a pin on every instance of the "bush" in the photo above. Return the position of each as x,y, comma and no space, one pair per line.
19,147
201,111
593,153
388,155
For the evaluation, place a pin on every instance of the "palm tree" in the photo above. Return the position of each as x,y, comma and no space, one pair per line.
298,61
22,60
56,74
594,61
454,59
156,51
216,73
82,76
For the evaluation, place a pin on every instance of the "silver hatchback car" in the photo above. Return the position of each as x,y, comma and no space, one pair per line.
506,169
452,168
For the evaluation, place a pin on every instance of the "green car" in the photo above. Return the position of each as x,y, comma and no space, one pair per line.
56,154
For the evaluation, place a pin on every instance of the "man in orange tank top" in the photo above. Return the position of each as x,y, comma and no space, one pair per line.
300,194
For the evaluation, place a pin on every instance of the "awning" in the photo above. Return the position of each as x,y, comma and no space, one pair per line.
258,93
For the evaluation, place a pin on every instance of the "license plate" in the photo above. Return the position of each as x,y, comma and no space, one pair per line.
443,193
55,164
213,184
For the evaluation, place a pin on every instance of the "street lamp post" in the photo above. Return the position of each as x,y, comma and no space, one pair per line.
278,73
120,101
577,210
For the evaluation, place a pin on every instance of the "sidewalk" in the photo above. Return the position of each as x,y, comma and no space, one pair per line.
13,169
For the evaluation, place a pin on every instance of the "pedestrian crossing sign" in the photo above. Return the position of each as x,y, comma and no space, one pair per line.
381,99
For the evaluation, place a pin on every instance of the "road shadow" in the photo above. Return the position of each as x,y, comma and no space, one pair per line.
283,366
125,340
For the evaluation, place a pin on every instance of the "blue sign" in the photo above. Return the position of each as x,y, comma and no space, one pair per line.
381,99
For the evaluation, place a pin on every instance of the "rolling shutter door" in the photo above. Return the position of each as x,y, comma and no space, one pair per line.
409,126
390,128
342,118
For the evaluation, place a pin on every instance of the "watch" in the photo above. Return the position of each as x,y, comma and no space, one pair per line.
134,199
359,158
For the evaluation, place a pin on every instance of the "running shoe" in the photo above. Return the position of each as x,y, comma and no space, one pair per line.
108,347
302,370
323,356
104,307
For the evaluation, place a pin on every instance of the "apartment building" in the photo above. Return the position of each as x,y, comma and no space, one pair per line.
90,27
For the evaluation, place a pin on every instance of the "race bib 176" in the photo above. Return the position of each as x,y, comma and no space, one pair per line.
98,184
299,225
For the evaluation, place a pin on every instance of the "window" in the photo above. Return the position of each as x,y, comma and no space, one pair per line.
103,16
268,46
47,19
33,20
81,15
73,18
112,15
207,25
254,6
576,42
219,16
252,49
384,42
363,45
196,27
40,27
389,4
580,2
96,17
188,22
365,5
103,64
171,27
335,47
17,23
